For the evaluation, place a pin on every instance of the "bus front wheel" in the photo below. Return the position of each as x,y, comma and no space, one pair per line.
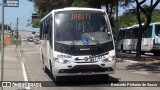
57,79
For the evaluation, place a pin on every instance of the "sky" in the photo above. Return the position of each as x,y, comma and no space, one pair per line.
24,12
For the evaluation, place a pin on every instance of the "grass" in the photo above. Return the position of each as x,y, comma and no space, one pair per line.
13,40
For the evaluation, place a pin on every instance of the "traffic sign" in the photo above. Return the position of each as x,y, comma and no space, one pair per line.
11,3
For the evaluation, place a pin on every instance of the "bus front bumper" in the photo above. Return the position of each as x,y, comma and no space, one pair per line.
84,68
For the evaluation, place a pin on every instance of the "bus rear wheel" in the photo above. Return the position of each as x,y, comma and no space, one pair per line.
156,53
123,51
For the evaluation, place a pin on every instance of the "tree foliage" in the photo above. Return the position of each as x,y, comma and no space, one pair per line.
128,19
45,6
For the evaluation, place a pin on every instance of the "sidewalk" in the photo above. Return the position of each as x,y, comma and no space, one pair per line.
12,66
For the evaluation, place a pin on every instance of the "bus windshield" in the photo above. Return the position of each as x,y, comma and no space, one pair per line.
75,26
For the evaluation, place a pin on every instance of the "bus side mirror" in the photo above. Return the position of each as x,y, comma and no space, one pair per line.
112,22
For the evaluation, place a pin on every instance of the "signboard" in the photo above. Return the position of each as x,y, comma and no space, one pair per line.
11,3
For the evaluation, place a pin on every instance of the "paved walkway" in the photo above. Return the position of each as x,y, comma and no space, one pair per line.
12,66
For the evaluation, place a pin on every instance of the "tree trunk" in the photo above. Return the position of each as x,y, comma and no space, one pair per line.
138,47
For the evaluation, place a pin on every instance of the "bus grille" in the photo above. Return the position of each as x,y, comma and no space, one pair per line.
76,49
86,68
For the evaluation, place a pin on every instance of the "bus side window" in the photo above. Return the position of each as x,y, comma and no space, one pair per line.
50,33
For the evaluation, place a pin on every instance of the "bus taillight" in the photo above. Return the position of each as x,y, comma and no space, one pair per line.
154,42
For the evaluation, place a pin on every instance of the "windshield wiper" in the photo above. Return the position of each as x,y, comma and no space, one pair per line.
72,45
93,38
96,41
73,42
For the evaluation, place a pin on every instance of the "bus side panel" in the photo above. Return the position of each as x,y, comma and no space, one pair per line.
155,38
146,44
147,39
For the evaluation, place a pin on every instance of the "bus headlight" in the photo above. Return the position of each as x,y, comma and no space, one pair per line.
62,61
109,59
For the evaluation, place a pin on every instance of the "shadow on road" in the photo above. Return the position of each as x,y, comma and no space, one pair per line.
96,80
144,67
99,80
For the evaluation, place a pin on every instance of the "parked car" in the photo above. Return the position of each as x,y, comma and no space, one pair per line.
30,39
24,39
36,40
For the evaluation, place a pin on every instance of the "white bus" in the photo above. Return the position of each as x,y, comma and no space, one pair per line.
77,41
150,39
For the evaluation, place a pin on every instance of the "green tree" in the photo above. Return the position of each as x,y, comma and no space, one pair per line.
128,19
80,3
147,11
45,6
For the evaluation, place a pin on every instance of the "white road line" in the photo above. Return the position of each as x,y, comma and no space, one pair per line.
25,75
24,70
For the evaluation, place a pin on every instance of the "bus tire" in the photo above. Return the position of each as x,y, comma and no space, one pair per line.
57,79
105,77
50,66
142,53
156,53
123,51
122,48
44,67
129,51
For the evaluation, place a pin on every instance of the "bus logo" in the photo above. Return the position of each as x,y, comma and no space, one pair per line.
85,41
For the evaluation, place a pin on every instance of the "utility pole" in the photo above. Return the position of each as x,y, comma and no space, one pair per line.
2,42
10,26
17,34
11,33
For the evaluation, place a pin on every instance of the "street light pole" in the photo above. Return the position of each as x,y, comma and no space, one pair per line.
17,34
2,42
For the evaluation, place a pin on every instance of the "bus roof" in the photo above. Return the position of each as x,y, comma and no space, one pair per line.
72,8
137,25
125,28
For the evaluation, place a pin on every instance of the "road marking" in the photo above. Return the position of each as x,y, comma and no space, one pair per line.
23,69
25,75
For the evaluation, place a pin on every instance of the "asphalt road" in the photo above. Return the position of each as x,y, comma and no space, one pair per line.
125,71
